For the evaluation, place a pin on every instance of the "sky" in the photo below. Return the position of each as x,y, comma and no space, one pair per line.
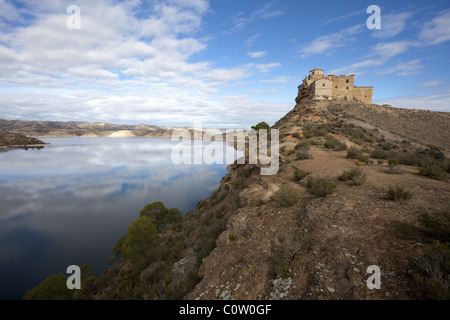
218,63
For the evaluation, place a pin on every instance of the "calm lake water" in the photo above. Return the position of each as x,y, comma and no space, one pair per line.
68,203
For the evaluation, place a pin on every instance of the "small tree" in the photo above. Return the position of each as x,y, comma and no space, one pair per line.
261,125
55,286
140,238
160,215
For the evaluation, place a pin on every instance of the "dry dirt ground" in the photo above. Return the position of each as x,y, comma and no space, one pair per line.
350,230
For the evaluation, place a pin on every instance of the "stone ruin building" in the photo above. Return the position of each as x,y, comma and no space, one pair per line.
317,86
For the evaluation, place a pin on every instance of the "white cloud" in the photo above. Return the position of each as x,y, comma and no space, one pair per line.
408,68
433,83
114,68
268,11
437,30
379,55
435,102
281,80
327,44
8,12
249,42
226,75
264,68
342,17
392,24
387,50
256,54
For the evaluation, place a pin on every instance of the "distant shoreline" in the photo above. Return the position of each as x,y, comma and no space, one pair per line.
25,145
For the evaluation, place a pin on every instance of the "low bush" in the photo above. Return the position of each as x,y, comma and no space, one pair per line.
433,271
355,175
335,144
387,146
434,171
392,162
398,193
394,168
232,237
304,144
320,187
279,261
302,154
287,196
436,225
355,153
299,174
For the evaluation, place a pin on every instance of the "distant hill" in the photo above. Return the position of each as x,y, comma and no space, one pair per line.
81,129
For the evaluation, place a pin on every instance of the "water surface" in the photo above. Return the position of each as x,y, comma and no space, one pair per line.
68,203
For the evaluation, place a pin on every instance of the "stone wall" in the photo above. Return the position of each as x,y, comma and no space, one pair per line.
323,87
342,86
363,94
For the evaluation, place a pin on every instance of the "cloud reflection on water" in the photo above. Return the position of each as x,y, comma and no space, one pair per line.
68,204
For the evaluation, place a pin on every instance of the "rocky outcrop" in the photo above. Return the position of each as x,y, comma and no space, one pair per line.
9,139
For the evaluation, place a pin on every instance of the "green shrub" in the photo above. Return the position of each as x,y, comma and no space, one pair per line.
302,154
140,237
398,193
434,171
261,125
291,152
379,154
333,143
55,288
392,162
436,225
306,243
201,204
433,271
407,231
355,153
356,175
232,236
299,174
394,168
279,261
304,144
386,146
296,135
160,215
241,183
320,187
380,162
287,196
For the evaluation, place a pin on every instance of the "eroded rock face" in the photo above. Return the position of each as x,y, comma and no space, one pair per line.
236,269
185,265
257,194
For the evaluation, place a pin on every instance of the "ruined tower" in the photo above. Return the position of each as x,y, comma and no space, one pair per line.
331,87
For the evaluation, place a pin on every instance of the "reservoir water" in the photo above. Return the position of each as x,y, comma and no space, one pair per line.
69,202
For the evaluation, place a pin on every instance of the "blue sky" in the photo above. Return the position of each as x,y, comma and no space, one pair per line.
226,63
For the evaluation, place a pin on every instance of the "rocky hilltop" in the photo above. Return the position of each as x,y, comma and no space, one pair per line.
359,186
312,230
